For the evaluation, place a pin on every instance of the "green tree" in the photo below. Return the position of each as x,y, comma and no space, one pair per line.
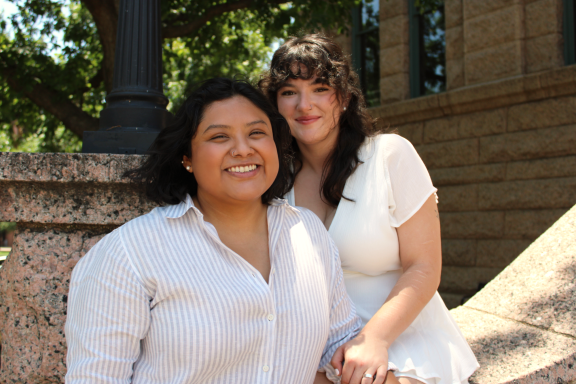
57,56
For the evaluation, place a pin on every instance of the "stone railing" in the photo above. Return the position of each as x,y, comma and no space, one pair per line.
521,326
63,204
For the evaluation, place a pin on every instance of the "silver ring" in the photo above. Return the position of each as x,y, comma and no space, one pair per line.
233,153
366,376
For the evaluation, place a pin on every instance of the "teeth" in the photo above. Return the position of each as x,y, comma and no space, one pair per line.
243,169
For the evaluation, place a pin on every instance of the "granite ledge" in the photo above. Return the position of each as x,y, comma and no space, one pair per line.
66,167
511,352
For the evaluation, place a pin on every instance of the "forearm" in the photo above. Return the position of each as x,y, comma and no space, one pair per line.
409,296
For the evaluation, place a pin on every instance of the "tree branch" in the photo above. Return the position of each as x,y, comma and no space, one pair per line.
73,117
105,15
217,10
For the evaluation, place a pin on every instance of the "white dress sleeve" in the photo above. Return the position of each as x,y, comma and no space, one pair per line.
408,181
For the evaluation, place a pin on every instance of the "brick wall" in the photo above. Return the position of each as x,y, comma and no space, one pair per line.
500,144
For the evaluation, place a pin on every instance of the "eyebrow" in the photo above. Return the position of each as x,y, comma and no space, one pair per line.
314,82
213,126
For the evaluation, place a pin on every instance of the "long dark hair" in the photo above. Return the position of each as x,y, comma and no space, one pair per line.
162,175
316,55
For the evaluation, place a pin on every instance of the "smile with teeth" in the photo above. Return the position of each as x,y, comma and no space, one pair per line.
242,169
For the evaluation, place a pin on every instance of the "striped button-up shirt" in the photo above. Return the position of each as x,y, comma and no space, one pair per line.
162,300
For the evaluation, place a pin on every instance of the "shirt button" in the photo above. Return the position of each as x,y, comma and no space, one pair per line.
273,270
270,317
265,368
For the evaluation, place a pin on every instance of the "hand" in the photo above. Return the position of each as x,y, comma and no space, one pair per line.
362,355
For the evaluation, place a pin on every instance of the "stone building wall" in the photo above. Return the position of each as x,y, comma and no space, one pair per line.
500,144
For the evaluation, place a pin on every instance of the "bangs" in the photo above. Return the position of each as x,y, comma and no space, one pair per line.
304,61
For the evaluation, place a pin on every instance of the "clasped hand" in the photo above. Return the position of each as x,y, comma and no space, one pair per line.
364,357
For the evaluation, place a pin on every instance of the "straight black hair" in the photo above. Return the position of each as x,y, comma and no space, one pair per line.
162,174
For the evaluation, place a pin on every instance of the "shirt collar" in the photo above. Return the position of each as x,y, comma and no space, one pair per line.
178,210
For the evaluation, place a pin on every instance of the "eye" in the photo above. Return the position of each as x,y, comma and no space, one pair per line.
218,137
321,89
257,132
287,93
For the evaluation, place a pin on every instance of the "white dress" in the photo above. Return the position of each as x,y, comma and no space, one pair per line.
387,189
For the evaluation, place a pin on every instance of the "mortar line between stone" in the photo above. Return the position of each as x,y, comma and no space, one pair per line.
523,323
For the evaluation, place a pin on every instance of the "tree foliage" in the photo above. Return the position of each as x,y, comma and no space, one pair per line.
57,57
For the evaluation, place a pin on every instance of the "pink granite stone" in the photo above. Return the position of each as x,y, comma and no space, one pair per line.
33,300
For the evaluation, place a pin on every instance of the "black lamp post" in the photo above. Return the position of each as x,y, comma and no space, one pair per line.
136,107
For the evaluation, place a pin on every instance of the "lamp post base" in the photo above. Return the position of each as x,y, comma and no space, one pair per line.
122,142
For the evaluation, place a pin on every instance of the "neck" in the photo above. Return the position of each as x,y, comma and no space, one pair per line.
233,214
314,156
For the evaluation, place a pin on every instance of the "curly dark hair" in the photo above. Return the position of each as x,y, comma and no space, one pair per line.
162,175
316,55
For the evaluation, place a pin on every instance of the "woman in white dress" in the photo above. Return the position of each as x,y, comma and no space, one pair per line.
375,196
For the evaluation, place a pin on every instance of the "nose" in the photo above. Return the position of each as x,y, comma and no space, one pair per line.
241,147
304,102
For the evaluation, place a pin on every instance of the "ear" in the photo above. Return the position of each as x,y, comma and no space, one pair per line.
187,163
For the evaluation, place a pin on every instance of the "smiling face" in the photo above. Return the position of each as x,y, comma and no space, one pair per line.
234,157
312,110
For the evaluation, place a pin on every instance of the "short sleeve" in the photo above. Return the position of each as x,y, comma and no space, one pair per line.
408,181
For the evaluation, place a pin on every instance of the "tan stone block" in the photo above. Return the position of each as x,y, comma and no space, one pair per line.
493,29
493,63
392,8
443,129
543,17
482,123
412,132
544,52
464,126
455,74
456,198
394,88
472,225
528,194
454,43
530,224
394,31
452,13
393,60
449,154
548,142
465,175
459,252
499,253
541,114
466,279
474,8
541,168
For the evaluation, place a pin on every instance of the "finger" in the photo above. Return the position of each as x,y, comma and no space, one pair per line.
368,380
347,372
357,375
381,374
337,359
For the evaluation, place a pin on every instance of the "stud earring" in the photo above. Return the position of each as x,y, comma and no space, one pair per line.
188,168
344,108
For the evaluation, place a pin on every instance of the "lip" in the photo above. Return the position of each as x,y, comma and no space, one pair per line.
308,119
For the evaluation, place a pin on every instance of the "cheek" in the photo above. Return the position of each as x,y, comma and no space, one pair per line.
285,107
270,155
206,165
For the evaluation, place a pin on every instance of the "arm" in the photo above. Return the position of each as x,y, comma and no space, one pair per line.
421,258
108,315
344,323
